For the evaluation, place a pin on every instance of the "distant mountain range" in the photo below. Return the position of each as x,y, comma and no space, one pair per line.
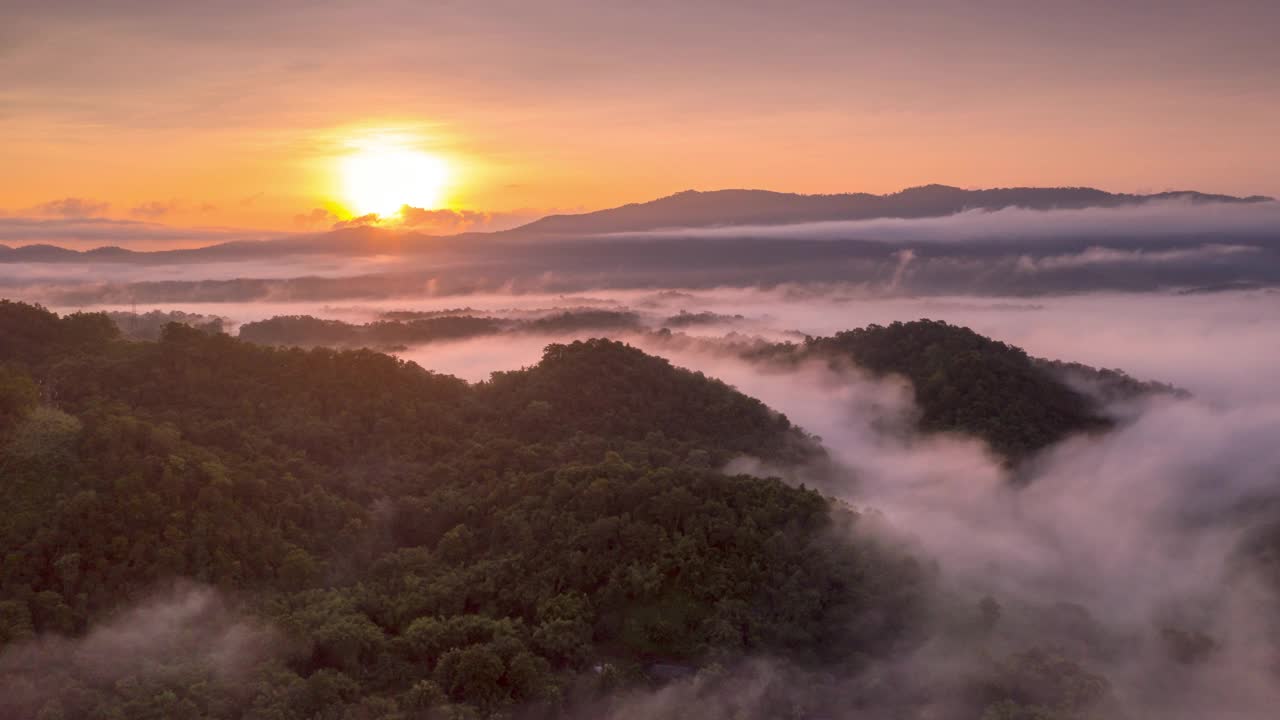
688,209
692,208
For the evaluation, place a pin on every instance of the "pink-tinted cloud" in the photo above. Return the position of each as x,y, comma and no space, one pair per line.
154,208
317,219
70,207
371,219
444,222
83,233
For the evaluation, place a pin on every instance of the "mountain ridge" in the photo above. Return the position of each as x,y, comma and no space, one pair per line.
696,208
685,209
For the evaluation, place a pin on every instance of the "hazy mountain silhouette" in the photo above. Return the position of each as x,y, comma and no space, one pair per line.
688,209
692,208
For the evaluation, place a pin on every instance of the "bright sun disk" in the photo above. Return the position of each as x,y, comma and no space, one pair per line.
382,178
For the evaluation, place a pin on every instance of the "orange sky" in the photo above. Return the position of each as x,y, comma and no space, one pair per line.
231,114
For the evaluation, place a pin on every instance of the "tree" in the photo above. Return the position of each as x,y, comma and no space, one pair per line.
472,674
15,622
45,435
18,396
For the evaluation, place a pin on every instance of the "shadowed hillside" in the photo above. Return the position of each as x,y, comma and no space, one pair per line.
692,208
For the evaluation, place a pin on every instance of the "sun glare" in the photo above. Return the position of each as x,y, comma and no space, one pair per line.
382,177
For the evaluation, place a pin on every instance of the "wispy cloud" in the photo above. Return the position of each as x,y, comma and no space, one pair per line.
70,207
1145,219
444,221
83,233
154,208
1109,256
317,219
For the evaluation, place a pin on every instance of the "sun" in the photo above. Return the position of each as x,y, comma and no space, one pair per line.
382,176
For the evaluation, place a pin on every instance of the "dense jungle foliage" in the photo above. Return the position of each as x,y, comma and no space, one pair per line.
204,527
419,542
401,329
965,382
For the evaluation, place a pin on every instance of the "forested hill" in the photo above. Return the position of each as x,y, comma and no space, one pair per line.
414,542
308,331
970,383
965,382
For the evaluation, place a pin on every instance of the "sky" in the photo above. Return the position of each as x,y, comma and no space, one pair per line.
242,114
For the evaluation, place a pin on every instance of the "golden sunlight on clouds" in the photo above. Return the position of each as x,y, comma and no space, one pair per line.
383,173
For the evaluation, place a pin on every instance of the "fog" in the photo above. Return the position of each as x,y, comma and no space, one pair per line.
1140,527
1103,546
1154,219
88,232
1133,532
1157,246
1219,346
177,633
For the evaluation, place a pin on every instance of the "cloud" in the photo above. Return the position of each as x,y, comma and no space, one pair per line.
1158,246
1106,256
367,220
317,219
188,631
444,221
1072,254
904,261
1178,217
154,209
450,222
1113,540
1139,530
70,207
90,232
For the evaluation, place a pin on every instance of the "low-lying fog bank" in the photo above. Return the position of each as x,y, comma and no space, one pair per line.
1127,552
1124,550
